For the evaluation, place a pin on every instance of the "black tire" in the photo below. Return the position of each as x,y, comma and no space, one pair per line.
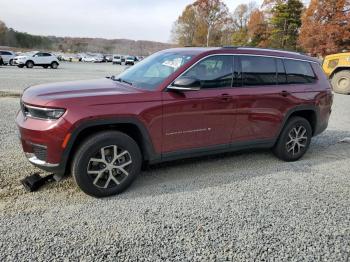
91,148
54,65
11,62
341,82
20,66
45,66
282,148
29,64
1,61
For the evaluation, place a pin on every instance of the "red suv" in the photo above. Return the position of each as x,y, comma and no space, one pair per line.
177,103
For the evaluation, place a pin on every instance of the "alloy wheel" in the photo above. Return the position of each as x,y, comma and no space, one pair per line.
297,140
109,166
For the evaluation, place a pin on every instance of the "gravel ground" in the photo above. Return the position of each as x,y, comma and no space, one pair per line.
14,79
240,206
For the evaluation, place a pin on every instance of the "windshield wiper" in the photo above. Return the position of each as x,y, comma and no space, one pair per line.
121,80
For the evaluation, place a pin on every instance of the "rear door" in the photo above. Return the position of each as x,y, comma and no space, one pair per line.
262,98
47,58
203,118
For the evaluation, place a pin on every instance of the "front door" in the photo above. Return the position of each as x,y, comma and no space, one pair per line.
203,118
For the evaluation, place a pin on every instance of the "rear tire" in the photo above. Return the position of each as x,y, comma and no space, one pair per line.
29,64
45,66
294,139
11,62
54,65
20,66
341,82
98,170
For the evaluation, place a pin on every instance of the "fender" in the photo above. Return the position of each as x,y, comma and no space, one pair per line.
296,109
147,146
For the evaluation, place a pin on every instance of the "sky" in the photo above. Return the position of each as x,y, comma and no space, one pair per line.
111,19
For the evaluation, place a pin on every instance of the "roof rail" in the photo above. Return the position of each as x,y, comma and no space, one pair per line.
230,46
271,49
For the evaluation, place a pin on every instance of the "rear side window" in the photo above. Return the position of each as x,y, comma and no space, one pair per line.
299,72
258,71
46,54
213,72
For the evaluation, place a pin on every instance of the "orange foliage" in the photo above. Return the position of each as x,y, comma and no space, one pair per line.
326,27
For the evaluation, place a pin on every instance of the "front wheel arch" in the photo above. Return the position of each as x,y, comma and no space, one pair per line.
131,127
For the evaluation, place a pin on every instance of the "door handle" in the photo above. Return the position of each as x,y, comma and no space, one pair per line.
285,93
225,97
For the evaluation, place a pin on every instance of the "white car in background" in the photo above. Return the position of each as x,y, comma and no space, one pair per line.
88,59
32,59
117,59
7,57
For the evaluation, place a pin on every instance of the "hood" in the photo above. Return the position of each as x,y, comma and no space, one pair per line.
45,93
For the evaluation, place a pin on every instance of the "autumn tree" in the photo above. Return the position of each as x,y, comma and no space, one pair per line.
326,27
213,14
240,24
185,27
285,24
202,23
258,29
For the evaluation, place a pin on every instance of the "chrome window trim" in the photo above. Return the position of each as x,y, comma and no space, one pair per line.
228,54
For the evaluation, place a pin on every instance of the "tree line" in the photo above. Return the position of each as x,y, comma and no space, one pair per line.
11,37
321,28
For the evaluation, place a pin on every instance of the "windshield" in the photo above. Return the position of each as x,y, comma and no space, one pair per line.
153,70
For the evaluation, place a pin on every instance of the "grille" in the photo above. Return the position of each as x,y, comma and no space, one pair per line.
40,152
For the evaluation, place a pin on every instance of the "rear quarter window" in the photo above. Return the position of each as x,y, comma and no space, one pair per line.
299,72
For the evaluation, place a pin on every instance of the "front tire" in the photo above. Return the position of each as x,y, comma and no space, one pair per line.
54,65
106,163
341,82
294,139
11,62
29,64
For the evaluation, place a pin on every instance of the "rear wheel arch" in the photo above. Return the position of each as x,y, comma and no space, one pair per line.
310,113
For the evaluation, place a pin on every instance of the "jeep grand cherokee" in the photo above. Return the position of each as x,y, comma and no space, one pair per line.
177,103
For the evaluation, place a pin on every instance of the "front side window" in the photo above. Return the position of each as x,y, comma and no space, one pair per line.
299,72
258,70
153,70
213,72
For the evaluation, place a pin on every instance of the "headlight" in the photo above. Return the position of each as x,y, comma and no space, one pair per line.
42,112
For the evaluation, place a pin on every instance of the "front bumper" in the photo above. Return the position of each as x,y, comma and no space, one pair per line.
18,62
42,142
32,158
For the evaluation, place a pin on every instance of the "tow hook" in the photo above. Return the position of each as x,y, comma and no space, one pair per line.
33,182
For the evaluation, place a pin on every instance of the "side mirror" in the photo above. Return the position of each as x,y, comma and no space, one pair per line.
185,84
